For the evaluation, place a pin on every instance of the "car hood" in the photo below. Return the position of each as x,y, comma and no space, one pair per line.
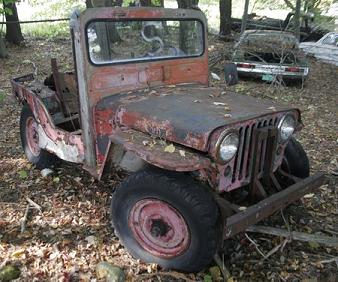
187,114
307,45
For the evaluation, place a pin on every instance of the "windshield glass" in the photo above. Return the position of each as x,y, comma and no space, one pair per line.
114,42
272,38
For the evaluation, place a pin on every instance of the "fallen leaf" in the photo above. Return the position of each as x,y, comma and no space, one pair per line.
18,253
91,240
215,76
215,273
46,171
197,101
56,179
314,245
78,179
170,148
145,142
308,196
182,153
220,104
207,278
23,174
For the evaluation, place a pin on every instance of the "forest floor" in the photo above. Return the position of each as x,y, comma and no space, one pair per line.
71,234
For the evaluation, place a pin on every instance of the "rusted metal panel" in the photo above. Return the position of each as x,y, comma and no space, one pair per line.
255,213
152,150
238,172
65,145
87,125
188,115
104,81
159,228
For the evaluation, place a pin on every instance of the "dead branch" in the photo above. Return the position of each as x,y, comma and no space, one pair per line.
335,259
275,249
271,252
255,245
299,236
33,204
225,272
24,219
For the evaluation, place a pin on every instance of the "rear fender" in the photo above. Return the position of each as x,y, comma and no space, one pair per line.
65,145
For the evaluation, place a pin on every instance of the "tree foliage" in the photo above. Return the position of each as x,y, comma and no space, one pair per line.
3,9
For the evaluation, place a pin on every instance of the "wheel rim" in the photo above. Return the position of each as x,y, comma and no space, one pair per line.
32,136
159,228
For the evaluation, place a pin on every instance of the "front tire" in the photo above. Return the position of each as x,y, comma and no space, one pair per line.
295,160
167,219
30,141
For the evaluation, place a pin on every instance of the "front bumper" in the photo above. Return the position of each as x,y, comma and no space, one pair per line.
240,221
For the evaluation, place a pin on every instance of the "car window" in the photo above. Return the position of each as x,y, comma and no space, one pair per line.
331,39
139,40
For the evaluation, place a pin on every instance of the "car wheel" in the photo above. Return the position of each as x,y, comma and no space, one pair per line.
295,161
30,141
167,219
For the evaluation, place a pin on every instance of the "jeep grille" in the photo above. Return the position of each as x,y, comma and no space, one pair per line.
243,163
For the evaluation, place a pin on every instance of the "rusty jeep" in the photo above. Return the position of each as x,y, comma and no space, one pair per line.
204,163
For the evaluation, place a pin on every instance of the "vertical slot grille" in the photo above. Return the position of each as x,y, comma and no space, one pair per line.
243,160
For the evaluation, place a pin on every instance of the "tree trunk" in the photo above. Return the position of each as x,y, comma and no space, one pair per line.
184,4
106,32
89,4
3,51
297,19
145,3
13,30
245,16
225,17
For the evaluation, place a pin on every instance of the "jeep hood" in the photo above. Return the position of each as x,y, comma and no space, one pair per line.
187,114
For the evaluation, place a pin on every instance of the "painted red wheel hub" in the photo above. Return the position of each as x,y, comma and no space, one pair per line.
159,228
32,136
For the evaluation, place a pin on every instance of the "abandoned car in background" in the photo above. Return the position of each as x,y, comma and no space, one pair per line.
325,49
309,30
139,99
270,55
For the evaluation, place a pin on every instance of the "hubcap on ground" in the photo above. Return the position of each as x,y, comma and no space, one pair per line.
159,228
32,136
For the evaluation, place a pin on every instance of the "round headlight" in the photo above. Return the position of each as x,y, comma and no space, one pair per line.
228,147
286,127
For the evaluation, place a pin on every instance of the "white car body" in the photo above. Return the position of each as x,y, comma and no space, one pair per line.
325,49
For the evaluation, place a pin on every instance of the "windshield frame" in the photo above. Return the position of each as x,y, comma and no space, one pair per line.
140,60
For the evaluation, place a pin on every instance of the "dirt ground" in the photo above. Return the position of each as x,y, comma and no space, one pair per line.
71,234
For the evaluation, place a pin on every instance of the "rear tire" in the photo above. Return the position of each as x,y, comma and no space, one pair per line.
167,219
30,141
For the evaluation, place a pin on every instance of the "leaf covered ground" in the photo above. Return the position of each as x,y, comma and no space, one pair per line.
71,234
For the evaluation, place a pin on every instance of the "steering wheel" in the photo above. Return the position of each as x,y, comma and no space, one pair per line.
153,39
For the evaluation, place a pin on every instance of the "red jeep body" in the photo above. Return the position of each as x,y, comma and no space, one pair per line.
127,113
